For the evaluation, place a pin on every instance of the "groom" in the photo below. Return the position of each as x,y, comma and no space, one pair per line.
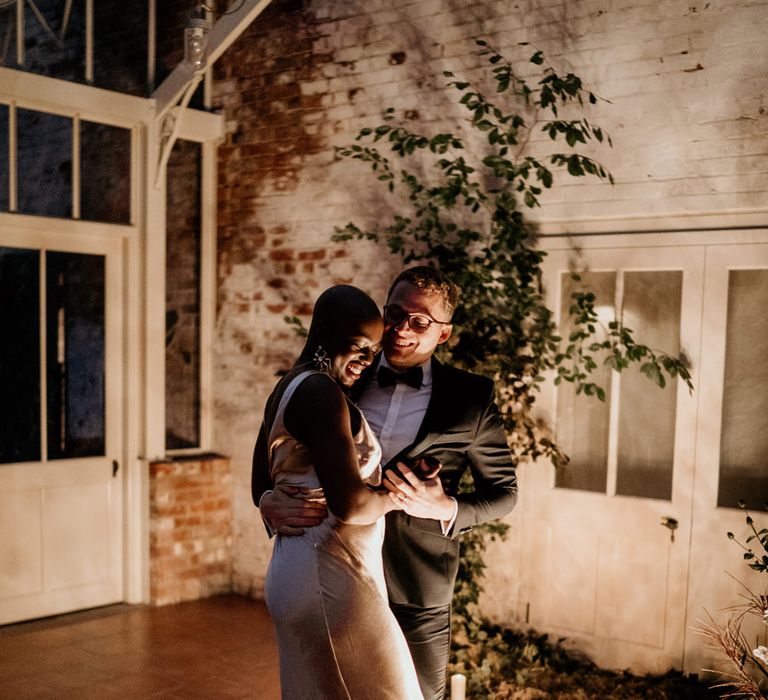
421,408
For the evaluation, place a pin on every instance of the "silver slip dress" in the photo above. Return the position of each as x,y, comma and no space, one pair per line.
325,590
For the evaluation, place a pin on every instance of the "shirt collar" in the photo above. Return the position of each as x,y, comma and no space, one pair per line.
426,368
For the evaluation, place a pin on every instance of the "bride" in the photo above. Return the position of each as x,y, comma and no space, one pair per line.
337,638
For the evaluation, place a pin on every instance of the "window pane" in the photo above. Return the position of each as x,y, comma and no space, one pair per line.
8,35
583,421
105,183
44,163
182,354
744,435
120,45
75,354
647,413
20,355
54,41
4,163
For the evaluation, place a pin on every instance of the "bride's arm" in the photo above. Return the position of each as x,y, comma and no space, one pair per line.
317,415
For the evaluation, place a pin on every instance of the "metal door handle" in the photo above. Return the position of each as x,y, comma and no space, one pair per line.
115,468
671,525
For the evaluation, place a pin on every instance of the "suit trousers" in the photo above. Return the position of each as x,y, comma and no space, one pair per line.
428,633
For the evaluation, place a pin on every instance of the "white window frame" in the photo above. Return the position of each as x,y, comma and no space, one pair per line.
144,276
207,290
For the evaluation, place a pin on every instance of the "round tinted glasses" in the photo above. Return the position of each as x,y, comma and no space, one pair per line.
418,323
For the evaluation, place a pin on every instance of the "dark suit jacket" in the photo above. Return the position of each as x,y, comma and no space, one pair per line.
463,429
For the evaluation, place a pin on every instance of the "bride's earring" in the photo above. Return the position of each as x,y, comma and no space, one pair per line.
321,360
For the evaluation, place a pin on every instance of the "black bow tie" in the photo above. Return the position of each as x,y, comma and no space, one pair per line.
413,377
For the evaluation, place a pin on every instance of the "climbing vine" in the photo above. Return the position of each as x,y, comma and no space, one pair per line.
464,214
460,206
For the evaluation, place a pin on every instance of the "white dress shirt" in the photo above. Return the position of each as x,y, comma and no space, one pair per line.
396,412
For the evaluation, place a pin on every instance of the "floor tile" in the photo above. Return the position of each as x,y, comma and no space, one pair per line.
221,647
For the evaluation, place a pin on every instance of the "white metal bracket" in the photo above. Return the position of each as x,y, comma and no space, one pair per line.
169,127
173,95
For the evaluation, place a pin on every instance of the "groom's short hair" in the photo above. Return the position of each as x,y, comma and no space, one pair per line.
430,279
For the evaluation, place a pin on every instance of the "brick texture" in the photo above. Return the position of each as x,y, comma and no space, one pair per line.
685,90
190,529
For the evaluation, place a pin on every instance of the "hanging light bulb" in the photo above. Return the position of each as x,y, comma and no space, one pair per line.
196,39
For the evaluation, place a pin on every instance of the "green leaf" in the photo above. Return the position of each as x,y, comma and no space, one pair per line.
574,166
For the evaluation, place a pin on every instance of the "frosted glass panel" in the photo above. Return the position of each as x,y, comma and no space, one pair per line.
582,421
646,412
744,436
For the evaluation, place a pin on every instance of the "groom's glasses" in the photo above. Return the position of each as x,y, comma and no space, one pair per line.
418,323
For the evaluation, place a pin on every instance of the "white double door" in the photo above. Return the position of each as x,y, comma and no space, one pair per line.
61,495
626,561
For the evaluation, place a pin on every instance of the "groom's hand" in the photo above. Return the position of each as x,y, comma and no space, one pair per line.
289,509
421,498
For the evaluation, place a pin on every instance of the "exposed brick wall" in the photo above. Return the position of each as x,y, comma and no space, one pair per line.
190,529
687,114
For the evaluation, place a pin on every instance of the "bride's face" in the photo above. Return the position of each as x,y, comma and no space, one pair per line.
356,351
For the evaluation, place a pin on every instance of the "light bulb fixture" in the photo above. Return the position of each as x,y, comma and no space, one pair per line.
196,32
196,40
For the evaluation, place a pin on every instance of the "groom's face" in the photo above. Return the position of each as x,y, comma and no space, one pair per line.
404,347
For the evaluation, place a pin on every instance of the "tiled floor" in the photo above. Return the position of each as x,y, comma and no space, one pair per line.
216,648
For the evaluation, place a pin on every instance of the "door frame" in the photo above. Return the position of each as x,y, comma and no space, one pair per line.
706,231
716,561
143,274
60,235
614,518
